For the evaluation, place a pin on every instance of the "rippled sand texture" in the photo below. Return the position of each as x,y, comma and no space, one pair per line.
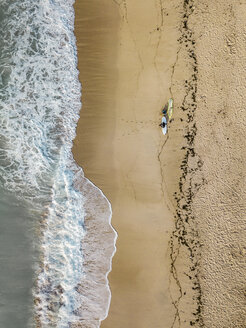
219,206
178,201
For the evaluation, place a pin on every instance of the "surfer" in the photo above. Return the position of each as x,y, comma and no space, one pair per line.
162,125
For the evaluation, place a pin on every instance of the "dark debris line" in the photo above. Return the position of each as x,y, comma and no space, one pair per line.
185,234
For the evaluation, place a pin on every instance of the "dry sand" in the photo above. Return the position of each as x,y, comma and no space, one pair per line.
220,205
177,200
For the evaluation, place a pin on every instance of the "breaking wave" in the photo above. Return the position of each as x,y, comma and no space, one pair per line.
39,110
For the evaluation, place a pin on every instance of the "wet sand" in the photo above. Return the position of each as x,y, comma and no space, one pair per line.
125,65
134,56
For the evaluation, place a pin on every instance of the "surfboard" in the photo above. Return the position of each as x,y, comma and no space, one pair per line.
170,108
164,130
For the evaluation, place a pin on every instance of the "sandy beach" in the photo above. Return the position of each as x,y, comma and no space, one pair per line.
177,201
119,146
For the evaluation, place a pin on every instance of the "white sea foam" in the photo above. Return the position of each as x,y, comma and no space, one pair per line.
39,110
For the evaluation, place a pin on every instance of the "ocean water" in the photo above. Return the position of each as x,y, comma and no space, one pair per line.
56,235
16,262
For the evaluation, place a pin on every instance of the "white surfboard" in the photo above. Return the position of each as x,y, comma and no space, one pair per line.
164,130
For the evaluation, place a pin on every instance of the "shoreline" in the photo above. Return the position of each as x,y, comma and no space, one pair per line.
99,243
98,248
